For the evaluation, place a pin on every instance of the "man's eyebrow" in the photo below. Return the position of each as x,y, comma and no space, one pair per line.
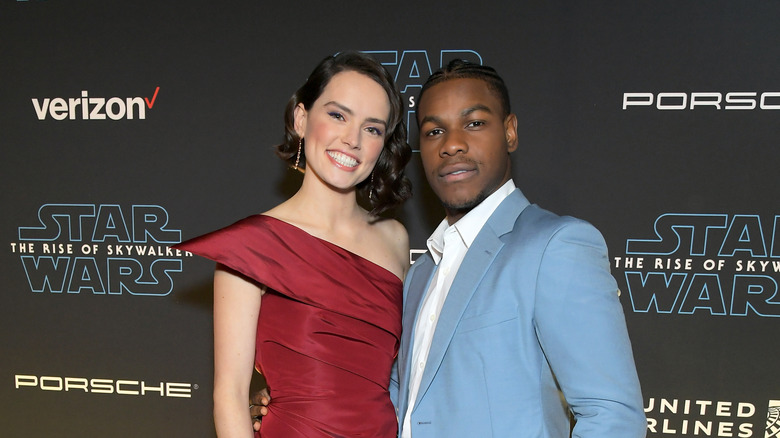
427,119
477,107
349,111
464,113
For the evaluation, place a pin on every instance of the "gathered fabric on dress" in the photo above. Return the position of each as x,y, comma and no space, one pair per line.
328,331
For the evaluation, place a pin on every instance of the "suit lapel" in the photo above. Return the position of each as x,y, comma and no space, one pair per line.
418,281
475,264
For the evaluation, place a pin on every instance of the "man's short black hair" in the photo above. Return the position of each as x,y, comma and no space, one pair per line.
460,69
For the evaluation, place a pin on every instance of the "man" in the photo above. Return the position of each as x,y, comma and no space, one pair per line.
512,305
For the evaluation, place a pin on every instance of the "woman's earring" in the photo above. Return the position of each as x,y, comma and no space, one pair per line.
371,187
298,157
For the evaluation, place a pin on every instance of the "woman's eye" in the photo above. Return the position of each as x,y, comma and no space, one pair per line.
336,115
374,131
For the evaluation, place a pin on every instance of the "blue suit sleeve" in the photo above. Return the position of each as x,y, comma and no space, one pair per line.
393,387
582,331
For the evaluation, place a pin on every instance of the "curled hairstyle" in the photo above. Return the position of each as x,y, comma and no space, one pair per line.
460,69
391,187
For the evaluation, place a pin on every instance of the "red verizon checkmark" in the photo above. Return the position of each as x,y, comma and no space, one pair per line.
151,104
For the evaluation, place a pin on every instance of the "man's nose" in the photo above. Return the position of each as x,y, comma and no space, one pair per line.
454,143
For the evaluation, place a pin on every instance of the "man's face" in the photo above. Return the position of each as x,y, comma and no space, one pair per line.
465,143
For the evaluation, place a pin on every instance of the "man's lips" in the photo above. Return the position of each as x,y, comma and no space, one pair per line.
457,171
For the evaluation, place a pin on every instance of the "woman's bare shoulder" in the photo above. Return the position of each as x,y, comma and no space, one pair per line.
395,237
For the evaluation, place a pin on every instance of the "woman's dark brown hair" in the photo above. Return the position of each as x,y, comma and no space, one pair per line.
390,185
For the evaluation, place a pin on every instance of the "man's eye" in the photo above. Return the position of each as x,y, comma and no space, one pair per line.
475,123
432,132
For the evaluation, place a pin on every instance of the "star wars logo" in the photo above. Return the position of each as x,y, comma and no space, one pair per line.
100,249
411,69
705,263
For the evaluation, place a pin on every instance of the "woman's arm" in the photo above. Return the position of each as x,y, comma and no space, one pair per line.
236,308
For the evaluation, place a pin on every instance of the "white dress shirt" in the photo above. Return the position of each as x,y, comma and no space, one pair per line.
456,239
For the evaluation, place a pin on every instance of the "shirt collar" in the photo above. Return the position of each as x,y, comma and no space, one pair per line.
471,223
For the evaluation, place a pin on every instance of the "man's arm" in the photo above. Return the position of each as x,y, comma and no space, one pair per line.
394,385
582,331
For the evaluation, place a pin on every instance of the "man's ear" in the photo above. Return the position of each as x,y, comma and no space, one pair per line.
299,119
510,131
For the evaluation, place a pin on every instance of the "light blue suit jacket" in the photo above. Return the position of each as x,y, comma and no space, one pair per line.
533,309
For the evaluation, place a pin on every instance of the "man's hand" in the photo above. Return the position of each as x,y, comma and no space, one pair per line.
257,407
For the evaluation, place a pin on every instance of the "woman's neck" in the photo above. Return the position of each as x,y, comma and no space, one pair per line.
319,206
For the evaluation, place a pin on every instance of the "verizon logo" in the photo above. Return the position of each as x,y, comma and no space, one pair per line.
93,108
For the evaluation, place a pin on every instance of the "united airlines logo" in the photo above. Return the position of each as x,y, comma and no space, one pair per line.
773,419
86,107
711,418
100,249
717,264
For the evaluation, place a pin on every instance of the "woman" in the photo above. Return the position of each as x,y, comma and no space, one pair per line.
310,291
